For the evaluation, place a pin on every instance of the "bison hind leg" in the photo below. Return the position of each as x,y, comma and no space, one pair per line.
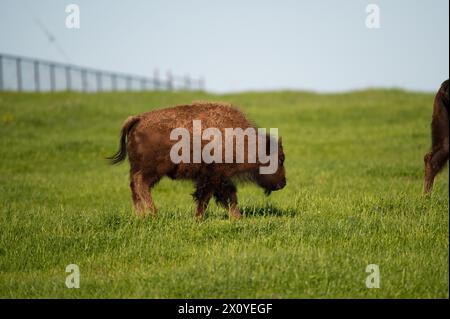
140,192
202,195
221,198
226,196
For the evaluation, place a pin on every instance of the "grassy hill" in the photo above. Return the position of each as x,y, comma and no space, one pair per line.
354,169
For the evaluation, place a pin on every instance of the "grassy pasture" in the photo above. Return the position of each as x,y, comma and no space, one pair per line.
353,198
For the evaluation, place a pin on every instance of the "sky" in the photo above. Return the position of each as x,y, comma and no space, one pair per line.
320,45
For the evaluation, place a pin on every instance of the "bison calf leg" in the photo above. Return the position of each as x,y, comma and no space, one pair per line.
202,195
234,211
140,192
434,162
226,195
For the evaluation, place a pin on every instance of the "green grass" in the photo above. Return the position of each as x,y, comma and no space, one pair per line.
354,169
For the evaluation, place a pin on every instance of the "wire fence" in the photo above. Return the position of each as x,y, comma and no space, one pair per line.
34,75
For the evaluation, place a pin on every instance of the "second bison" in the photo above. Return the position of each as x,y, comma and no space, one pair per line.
146,139
436,159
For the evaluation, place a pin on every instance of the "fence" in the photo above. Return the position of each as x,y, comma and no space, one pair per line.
26,74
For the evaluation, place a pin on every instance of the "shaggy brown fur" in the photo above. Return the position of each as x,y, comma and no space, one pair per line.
146,139
436,159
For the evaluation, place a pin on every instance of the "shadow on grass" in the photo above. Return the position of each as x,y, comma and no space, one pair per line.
266,210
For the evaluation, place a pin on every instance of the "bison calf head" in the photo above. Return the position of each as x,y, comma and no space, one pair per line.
276,180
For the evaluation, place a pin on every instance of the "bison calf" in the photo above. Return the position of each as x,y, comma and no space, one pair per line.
147,140
436,159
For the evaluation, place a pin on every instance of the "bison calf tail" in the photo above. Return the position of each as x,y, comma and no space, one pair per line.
122,152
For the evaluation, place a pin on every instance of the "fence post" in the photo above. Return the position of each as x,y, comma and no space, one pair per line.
156,79
19,74
37,86
1,72
114,82
128,81
187,82
68,79
169,80
52,77
83,80
99,81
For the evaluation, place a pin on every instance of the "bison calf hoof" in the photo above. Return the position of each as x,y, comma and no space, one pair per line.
235,215
198,218
426,193
145,214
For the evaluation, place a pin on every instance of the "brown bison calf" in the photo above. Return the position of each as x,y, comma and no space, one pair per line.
146,139
436,159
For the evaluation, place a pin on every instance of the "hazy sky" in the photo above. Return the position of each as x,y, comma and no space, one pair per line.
244,45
